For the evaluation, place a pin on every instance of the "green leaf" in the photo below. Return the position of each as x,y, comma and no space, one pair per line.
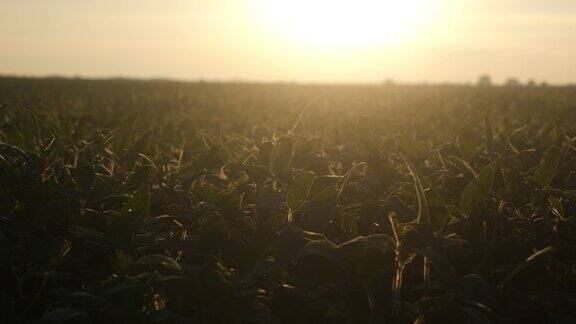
316,262
142,144
355,249
215,229
281,155
439,212
350,223
416,235
556,204
298,192
433,198
322,182
477,314
122,262
532,260
13,136
264,150
121,231
326,194
473,287
364,254
89,236
123,133
468,142
138,178
548,167
158,260
478,189
58,138
34,131
408,145
138,207
347,177
257,173
123,226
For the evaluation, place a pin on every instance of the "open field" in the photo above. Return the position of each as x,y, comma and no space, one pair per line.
166,202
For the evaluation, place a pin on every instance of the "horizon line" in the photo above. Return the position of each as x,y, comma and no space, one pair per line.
384,81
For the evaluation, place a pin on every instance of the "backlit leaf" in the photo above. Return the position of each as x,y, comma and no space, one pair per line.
158,260
478,189
548,167
281,155
299,190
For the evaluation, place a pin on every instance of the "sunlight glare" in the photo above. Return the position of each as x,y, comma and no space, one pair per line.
348,23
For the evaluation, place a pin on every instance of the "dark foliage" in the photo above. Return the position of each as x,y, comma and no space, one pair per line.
163,202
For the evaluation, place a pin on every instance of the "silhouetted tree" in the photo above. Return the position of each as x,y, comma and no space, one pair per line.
531,83
512,82
484,81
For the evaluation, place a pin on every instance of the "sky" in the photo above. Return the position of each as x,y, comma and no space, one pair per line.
297,41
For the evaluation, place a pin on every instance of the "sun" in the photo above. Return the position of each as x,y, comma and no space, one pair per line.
346,23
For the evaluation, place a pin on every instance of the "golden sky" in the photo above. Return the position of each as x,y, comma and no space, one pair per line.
297,40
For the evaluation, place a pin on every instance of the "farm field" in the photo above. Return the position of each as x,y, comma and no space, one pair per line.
174,202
